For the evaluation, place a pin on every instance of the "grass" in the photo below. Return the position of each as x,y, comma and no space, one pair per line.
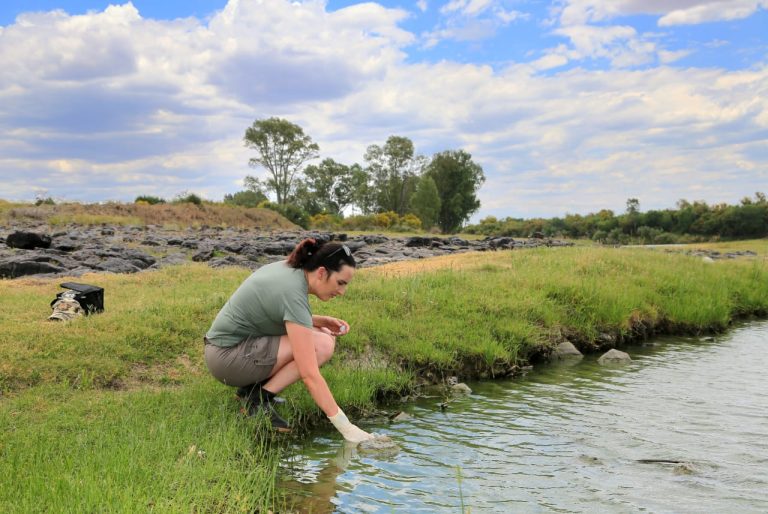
111,412
131,214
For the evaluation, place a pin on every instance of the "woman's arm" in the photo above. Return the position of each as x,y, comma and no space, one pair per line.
306,361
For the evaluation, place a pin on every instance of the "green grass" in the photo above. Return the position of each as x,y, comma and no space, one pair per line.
100,414
176,450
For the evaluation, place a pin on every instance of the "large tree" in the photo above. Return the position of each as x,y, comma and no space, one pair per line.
425,202
282,149
457,178
326,187
393,169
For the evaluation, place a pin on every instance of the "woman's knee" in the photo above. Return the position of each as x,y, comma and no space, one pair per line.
325,344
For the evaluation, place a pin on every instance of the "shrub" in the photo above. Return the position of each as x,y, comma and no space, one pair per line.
147,199
188,198
386,219
410,222
291,212
45,201
324,221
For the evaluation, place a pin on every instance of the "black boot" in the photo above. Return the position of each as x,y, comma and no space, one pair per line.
259,399
245,392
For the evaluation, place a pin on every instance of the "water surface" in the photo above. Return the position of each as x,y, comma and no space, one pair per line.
568,438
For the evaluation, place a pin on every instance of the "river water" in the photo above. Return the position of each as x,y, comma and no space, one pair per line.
569,438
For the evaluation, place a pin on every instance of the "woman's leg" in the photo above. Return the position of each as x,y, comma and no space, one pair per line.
285,372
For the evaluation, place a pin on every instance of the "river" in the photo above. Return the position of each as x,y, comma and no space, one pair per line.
569,438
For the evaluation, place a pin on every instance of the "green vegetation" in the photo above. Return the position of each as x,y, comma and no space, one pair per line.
689,223
116,412
394,179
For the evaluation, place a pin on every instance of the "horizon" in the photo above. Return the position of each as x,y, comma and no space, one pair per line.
569,106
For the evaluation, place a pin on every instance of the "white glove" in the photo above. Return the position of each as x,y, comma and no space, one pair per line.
350,432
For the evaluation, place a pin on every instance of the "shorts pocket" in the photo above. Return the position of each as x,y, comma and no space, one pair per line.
258,350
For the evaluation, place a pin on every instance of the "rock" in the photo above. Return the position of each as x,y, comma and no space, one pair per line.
379,443
707,259
401,416
203,256
117,265
684,468
28,240
417,241
566,350
461,388
14,268
354,246
614,356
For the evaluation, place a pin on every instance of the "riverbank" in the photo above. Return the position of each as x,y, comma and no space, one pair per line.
117,412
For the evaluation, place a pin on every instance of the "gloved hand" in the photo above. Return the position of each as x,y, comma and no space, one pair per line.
350,432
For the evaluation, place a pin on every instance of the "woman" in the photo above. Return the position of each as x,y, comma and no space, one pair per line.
265,337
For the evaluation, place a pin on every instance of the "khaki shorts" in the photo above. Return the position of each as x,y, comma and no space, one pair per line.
248,362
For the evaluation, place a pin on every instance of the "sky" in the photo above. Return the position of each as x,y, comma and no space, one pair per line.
569,106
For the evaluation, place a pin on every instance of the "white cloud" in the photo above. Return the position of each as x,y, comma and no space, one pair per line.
422,5
671,12
470,20
164,119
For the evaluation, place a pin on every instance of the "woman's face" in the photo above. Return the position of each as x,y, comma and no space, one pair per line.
333,283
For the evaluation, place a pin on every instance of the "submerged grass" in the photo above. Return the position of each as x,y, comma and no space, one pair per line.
116,412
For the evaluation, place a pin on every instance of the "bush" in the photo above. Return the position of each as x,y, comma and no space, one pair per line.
324,221
245,198
45,201
291,212
665,238
188,198
386,219
147,199
410,222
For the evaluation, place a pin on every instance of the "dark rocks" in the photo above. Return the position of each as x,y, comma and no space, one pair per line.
14,268
203,255
28,240
81,249
417,241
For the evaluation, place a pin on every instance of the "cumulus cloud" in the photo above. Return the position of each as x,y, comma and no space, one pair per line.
471,20
671,12
170,115
588,25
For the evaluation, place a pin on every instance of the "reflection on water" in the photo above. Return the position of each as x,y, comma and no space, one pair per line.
567,438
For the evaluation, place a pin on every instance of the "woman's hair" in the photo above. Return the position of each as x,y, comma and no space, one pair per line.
310,254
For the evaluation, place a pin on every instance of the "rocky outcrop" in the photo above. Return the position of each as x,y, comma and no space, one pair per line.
77,249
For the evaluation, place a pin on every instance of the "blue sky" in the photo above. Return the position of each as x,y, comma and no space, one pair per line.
570,106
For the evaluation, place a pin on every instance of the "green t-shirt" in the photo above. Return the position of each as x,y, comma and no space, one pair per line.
272,295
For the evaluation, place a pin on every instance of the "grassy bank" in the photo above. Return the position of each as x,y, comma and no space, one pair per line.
171,216
110,413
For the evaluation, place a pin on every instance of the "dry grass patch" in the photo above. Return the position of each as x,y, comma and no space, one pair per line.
131,214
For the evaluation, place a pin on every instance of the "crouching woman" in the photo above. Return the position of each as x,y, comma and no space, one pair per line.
265,337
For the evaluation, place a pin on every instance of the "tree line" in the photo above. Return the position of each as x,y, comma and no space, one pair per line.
393,185
689,222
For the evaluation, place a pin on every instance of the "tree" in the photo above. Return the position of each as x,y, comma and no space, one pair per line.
393,170
282,149
245,198
328,187
425,202
457,178
633,215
